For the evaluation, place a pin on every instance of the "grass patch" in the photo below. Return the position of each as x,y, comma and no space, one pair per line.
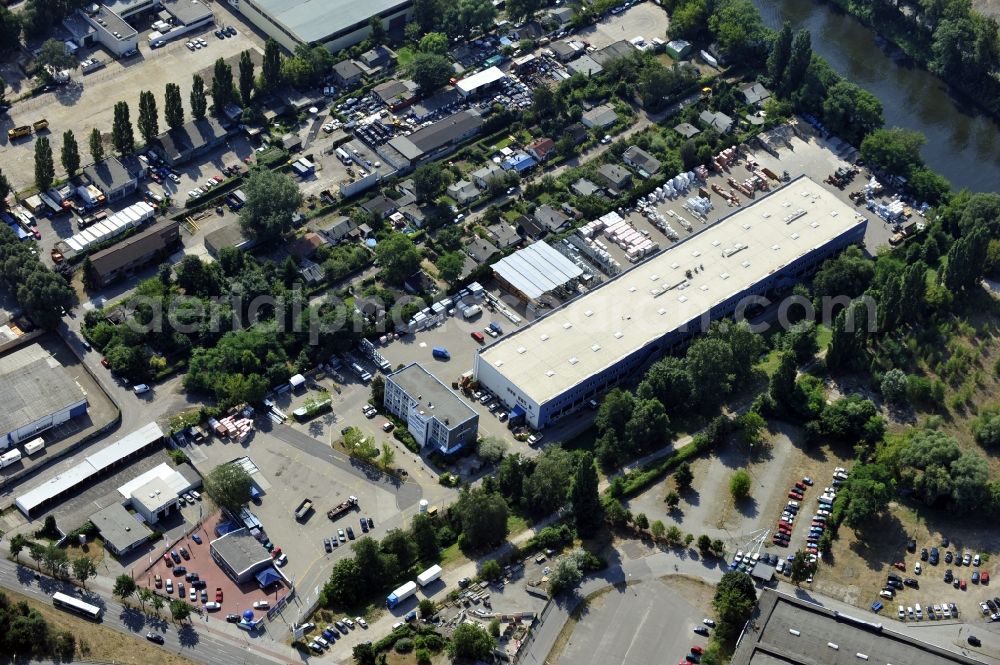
769,365
404,55
94,642
451,554
823,336
516,524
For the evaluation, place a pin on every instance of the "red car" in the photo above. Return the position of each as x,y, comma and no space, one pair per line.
37,234
697,650
106,363
900,565
218,594
478,336
961,585
801,486
794,494
276,552
166,557
984,578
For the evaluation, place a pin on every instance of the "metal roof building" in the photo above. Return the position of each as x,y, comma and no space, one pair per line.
553,366
90,469
36,393
535,271
334,23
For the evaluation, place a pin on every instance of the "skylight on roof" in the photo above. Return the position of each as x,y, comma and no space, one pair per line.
716,243
724,275
704,287
745,264
574,360
653,278
595,347
499,363
550,373
589,312
815,225
567,325
682,298
631,289
543,337
662,311
696,253
795,236
775,247
521,349
618,334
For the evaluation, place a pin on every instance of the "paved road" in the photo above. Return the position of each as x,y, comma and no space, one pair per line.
198,640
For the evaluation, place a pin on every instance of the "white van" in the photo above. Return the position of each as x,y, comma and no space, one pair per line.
918,611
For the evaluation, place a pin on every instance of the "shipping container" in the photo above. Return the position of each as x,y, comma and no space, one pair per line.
429,575
34,446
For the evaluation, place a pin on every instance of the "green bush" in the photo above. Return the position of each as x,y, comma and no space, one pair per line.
423,657
403,645
179,456
403,435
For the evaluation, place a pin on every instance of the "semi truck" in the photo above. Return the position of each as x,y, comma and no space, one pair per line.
342,507
431,574
34,446
304,509
401,594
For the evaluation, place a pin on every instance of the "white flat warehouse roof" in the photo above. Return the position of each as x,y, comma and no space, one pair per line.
606,325
479,79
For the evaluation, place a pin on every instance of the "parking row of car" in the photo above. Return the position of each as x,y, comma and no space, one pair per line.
991,608
934,612
208,186
333,632
367,524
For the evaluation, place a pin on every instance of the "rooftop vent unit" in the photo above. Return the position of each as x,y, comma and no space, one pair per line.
735,249
795,215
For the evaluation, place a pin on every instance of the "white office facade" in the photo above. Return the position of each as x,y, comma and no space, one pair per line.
434,415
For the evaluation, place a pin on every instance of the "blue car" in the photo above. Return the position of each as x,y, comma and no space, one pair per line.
196,538
876,606
329,634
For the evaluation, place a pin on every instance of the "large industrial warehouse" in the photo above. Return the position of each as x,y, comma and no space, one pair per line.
553,366
336,24
37,394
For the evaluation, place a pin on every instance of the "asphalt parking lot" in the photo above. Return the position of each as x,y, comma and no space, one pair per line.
88,101
295,466
636,624
645,19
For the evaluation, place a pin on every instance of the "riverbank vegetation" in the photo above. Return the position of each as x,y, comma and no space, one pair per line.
950,39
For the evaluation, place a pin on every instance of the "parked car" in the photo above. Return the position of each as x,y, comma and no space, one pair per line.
155,637
233,618
261,605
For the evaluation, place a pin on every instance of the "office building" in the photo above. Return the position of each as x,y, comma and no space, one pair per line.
435,416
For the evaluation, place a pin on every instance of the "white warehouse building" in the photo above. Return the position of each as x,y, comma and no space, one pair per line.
37,393
554,366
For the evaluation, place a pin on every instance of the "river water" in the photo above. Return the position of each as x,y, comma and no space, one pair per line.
962,144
